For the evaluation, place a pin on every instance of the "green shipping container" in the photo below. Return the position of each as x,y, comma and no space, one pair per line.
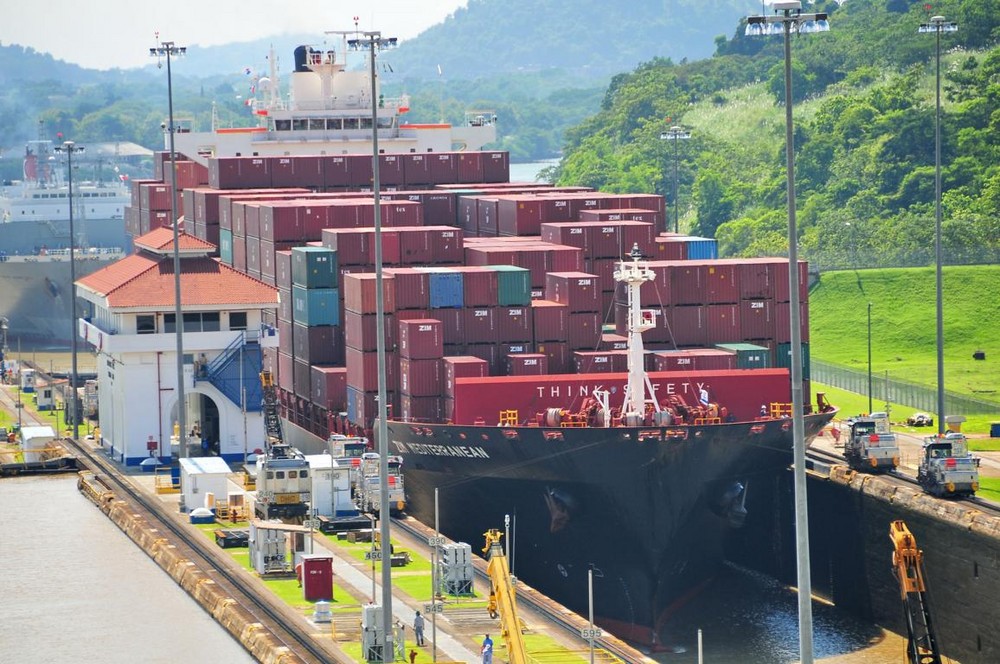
315,306
784,358
314,267
226,245
749,356
513,285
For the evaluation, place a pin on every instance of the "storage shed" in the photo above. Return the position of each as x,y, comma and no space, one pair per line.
201,476
331,487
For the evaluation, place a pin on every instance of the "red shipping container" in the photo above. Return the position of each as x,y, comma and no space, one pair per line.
558,354
721,283
329,387
253,254
577,290
414,246
488,352
363,406
496,166
283,268
359,170
513,324
516,348
360,293
297,171
443,167
480,324
362,371
757,277
335,171
302,379
462,366
585,362
584,330
154,196
688,283
470,167
527,364
420,409
453,322
520,215
781,282
783,320
421,338
670,247
723,321
420,378
412,288
360,331
569,233
286,372
613,342
240,253
447,244
757,319
416,169
550,320
479,286
689,325
318,344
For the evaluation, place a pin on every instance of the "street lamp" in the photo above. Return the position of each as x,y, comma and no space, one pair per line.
373,41
937,25
70,149
168,49
788,17
675,134
869,358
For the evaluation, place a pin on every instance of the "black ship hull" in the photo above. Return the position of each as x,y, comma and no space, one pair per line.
649,508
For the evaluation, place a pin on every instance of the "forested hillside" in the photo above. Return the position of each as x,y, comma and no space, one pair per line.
864,138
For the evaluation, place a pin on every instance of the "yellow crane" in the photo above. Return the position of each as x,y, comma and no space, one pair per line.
502,600
908,568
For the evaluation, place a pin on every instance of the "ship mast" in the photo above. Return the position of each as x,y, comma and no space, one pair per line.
639,390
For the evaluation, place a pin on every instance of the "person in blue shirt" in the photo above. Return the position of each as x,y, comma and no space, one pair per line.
487,650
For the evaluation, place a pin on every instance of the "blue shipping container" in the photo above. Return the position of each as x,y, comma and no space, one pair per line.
447,290
700,248
315,306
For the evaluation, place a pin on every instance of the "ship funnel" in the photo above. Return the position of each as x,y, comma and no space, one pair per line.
301,58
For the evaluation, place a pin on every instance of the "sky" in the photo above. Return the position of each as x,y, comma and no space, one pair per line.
103,34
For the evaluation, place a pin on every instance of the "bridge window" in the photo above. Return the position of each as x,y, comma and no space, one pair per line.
237,320
317,124
350,123
366,123
334,123
299,124
282,125
193,322
385,123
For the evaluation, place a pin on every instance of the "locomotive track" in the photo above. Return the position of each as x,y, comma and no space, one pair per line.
830,458
285,626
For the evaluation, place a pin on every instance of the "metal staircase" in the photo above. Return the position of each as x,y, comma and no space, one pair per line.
236,371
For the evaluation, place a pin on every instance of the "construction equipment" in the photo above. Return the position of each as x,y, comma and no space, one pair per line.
502,600
908,568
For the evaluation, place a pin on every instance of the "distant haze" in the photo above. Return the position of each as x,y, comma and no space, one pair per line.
101,34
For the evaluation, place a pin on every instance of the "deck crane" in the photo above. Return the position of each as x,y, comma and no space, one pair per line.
908,568
502,600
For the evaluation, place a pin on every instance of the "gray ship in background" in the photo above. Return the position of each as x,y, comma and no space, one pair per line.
35,283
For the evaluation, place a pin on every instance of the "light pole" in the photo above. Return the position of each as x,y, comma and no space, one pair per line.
937,25
675,134
168,49
788,16
869,358
374,41
70,149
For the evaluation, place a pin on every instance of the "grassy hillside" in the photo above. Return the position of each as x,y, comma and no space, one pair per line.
904,327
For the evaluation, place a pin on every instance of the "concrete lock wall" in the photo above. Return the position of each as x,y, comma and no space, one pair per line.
851,554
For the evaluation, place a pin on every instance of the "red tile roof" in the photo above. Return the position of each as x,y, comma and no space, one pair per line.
161,240
143,280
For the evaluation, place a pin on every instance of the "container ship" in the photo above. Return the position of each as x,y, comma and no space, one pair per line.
514,355
35,283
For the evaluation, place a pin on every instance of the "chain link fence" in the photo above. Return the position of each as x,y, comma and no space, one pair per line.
885,389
